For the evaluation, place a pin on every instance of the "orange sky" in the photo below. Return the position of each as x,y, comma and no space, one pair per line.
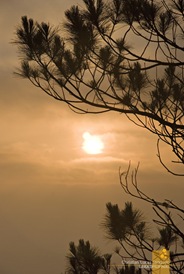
51,191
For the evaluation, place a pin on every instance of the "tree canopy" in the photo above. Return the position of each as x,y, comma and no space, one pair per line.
137,237
115,55
125,57
86,259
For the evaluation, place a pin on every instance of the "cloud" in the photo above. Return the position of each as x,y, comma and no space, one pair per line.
51,191
96,159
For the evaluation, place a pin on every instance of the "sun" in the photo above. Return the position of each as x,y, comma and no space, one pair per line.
92,144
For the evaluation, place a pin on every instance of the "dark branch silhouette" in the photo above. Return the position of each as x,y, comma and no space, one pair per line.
118,55
137,238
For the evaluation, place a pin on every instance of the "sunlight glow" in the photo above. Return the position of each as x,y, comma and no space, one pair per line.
92,144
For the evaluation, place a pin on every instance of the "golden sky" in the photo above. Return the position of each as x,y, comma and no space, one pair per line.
51,191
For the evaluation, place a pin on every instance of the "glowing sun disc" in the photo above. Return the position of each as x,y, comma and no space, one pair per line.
92,144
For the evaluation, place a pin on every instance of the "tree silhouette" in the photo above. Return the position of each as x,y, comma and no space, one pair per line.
136,242
167,237
94,66
121,223
139,241
85,259
117,55
136,237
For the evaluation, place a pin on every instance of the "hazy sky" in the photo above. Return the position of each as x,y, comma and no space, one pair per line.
51,191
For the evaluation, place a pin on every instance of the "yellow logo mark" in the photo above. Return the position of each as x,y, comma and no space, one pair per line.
160,261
